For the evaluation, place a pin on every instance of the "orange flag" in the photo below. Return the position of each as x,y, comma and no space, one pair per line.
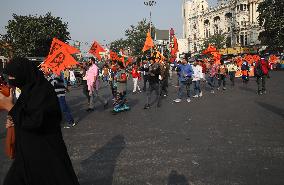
59,60
175,48
113,56
57,44
273,59
148,43
96,49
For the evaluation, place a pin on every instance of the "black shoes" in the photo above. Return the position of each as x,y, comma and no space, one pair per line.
147,106
90,110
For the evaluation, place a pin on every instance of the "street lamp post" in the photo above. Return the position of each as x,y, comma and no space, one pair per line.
150,4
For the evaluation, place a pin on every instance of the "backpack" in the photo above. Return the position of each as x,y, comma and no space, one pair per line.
258,69
264,68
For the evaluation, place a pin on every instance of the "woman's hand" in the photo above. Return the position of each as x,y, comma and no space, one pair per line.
6,103
9,122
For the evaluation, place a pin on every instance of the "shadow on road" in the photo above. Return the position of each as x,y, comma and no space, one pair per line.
98,169
272,108
177,179
245,88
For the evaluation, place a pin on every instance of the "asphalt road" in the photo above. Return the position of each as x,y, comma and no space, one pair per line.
232,137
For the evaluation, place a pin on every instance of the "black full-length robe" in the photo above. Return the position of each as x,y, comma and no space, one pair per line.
41,156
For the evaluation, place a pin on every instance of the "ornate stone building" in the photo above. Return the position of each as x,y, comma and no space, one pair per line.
237,19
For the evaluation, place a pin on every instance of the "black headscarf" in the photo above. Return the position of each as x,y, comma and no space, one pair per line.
38,97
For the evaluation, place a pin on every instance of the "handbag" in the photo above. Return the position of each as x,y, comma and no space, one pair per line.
10,142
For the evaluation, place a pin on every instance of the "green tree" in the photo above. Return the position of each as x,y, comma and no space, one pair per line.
32,35
218,40
135,38
271,18
119,44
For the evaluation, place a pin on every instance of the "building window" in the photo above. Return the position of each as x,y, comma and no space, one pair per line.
242,7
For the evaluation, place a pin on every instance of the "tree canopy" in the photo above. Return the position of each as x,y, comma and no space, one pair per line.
135,38
271,18
218,40
32,35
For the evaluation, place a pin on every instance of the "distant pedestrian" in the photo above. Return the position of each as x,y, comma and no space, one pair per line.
145,72
136,77
222,75
196,79
245,72
120,102
232,69
93,86
154,73
185,80
60,89
261,73
213,69
165,73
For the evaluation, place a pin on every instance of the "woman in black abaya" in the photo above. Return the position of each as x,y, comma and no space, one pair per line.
41,156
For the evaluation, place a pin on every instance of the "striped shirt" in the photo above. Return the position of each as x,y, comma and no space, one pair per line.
58,85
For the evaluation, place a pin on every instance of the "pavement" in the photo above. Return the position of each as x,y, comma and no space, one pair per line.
232,137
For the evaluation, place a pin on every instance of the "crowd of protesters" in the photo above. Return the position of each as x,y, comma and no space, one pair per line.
191,80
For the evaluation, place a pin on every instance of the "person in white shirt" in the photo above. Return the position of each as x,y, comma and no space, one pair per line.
196,77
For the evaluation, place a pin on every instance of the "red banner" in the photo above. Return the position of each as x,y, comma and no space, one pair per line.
59,60
96,49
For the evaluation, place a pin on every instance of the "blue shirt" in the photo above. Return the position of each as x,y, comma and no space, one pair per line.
185,72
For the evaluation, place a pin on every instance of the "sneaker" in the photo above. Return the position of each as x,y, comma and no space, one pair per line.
188,100
195,96
212,92
218,88
73,124
67,126
224,88
147,106
200,95
263,92
106,105
178,100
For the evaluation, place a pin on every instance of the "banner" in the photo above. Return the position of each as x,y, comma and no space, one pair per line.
59,60
57,44
96,49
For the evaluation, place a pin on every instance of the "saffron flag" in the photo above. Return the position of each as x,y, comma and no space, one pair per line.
273,59
113,56
57,44
210,49
96,49
174,50
148,43
59,60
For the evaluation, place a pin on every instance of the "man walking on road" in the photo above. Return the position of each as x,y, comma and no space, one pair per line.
185,80
93,86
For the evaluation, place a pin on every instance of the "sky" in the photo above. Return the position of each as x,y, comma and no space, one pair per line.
100,20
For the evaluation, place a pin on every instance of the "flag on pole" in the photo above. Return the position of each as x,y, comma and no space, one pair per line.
96,49
59,60
148,43
57,44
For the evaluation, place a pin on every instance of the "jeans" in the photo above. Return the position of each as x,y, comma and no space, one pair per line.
232,75
211,82
65,109
222,78
260,80
164,86
197,89
93,97
186,85
153,87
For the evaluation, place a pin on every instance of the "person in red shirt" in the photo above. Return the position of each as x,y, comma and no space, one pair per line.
261,71
136,76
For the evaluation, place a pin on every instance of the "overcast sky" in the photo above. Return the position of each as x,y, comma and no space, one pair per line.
101,20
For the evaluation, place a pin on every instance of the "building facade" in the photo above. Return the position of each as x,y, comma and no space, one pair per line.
236,19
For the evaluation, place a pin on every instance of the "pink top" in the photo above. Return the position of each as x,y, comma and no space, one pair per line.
90,74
